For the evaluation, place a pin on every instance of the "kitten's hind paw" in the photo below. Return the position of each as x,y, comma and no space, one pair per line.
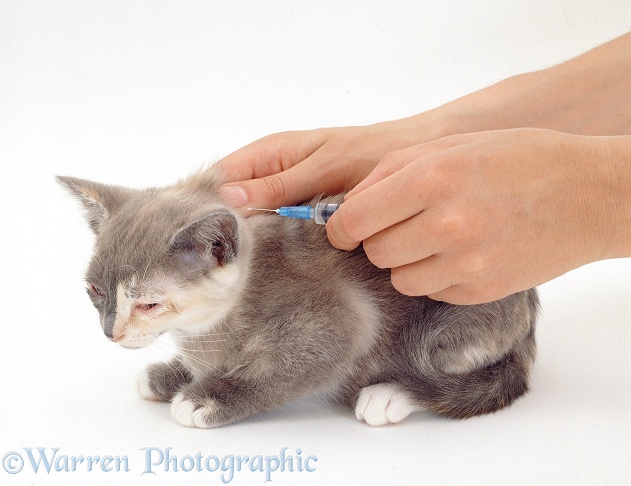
383,404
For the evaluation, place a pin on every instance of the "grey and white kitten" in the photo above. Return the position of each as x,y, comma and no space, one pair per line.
265,312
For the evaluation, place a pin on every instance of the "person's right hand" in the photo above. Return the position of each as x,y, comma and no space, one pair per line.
291,167
472,218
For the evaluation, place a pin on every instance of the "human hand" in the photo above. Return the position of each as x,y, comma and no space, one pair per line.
472,218
291,167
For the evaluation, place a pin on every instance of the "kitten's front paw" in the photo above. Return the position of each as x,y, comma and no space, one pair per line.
383,404
161,381
194,413
145,387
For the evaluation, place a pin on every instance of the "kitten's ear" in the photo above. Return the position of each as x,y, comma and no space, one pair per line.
99,200
211,240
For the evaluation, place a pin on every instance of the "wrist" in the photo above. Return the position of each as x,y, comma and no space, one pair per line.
506,104
613,201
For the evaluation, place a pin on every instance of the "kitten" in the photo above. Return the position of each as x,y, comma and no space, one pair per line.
265,311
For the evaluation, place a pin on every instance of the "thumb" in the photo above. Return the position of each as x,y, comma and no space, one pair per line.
267,192
271,192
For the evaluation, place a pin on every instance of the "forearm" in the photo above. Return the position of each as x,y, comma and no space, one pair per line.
590,95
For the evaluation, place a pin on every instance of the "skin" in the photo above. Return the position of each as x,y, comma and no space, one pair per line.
493,193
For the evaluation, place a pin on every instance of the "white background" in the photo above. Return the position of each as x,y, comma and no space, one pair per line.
142,93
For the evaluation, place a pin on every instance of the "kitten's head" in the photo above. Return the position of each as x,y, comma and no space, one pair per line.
164,259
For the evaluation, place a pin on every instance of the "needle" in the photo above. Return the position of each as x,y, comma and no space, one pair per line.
259,209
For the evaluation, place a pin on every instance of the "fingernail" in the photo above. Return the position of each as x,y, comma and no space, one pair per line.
234,195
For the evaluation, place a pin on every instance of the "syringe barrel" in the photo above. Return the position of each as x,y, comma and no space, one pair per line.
298,212
323,211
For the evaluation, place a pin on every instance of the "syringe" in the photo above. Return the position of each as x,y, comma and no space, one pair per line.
320,213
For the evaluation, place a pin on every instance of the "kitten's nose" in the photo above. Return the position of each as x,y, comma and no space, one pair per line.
116,338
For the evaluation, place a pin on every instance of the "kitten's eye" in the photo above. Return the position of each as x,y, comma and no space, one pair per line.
93,289
146,307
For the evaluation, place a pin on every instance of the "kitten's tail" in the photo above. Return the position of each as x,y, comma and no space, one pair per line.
478,392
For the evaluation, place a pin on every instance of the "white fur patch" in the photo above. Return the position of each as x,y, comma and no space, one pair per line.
182,410
469,359
201,306
383,404
124,306
187,413
227,276
368,322
143,386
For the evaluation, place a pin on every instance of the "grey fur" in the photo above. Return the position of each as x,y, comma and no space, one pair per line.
299,318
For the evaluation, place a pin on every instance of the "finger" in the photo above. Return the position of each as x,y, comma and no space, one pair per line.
260,158
464,295
394,161
403,243
387,166
386,203
425,277
454,295
271,192
435,278
256,173
315,175
270,155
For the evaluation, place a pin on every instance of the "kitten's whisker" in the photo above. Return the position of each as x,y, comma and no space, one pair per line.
98,259
125,266
144,276
159,349
201,335
205,350
191,365
195,359
199,361
177,371
201,341
197,369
